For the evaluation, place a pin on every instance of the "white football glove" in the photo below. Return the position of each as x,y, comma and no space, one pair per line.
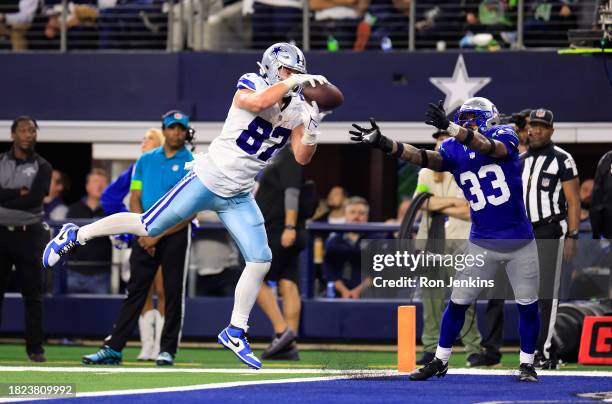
311,118
298,80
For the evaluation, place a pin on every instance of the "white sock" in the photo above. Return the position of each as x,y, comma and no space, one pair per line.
246,293
119,223
443,354
526,358
159,327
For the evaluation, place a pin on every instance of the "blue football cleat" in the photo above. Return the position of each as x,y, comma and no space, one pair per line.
164,359
105,356
60,245
235,339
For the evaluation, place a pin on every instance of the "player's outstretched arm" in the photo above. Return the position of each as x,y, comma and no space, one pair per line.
257,101
373,137
436,116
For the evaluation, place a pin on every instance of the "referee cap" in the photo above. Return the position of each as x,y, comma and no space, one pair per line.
541,115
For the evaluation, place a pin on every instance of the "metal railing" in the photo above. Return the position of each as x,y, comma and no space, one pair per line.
176,25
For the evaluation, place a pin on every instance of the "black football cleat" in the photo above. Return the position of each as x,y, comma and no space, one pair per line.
433,368
528,373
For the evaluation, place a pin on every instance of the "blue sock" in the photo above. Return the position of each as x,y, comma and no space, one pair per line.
529,326
451,324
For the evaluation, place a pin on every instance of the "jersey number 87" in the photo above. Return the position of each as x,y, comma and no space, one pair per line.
251,139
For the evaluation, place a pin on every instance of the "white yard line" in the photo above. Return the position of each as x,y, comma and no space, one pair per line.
207,386
317,371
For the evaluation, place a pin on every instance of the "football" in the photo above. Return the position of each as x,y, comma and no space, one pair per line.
327,96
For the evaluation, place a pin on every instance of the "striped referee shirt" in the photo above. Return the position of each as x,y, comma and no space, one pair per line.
544,170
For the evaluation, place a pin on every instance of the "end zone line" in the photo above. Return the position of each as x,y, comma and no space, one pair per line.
318,371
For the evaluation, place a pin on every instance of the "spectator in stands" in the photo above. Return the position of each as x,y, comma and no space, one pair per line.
335,23
435,23
548,21
343,250
150,321
81,23
444,225
401,211
15,19
189,32
24,181
88,270
53,204
285,228
332,210
132,24
494,17
274,21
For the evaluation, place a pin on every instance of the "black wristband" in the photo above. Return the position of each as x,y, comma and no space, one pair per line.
400,150
289,227
493,147
424,158
468,138
385,144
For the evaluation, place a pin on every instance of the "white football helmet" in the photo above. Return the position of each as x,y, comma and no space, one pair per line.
281,55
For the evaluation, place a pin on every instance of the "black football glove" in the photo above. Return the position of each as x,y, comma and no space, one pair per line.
372,137
436,116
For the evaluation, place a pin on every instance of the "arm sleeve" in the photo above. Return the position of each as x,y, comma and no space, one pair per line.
40,188
27,9
290,173
292,199
113,196
136,181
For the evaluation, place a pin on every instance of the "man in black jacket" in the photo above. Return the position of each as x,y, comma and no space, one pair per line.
601,201
24,181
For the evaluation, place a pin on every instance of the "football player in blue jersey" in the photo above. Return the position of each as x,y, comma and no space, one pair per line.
483,157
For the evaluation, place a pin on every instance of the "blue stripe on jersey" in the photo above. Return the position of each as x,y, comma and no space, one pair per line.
246,84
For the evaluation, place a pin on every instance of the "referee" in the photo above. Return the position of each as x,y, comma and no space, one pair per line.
155,173
551,194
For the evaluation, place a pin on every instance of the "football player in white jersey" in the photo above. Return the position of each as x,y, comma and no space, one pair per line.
265,114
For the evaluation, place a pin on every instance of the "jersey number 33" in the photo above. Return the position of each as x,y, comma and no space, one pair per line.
498,182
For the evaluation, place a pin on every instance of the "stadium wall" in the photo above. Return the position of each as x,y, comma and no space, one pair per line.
324,320
393,86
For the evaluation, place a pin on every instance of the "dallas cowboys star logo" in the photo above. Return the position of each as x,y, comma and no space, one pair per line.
460,87
277,50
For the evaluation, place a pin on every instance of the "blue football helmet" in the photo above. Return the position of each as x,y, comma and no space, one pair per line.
478,111
281,55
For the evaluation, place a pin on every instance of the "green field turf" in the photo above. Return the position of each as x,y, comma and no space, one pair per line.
200,358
